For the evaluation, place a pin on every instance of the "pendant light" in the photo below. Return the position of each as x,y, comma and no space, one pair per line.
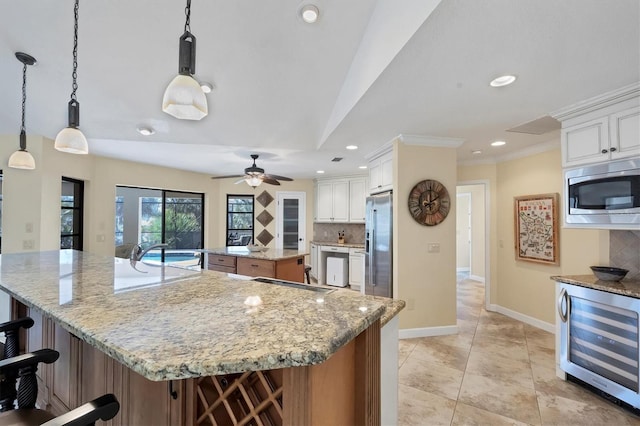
184,98
22,159
71,139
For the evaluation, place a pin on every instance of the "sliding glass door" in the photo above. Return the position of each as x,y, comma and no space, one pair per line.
154,216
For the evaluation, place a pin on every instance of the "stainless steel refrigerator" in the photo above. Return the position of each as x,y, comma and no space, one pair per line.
378,276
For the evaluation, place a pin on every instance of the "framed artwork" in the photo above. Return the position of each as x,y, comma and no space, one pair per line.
536,227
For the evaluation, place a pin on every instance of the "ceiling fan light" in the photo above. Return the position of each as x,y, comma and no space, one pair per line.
72,141
253,181
22,159
184,99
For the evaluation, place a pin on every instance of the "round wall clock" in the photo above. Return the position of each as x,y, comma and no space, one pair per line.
429,202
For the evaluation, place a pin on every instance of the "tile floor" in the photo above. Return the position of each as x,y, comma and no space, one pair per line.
495,371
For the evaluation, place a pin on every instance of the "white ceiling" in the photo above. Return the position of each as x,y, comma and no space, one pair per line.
296,93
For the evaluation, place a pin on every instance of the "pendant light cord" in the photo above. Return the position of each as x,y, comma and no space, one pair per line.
74,74
24,96
187,12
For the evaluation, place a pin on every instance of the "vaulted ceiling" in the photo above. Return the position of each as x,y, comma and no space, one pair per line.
296,93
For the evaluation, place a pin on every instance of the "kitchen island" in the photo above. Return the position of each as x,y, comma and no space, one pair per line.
181,346
272,263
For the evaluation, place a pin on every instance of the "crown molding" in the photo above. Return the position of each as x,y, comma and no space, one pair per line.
597,102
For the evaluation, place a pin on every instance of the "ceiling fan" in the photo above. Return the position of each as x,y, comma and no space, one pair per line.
255,175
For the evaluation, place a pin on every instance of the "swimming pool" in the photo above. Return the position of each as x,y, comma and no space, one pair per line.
171,257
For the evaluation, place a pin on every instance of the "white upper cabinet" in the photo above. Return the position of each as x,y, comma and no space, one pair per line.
341,200
601,129
332,202
381,173
357,199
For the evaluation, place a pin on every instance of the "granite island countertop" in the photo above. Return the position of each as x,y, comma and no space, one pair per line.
626,287
268,254
171,323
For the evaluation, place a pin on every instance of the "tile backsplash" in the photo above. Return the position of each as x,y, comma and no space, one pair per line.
624,251
353,232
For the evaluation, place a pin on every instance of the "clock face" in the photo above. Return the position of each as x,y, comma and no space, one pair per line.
429,202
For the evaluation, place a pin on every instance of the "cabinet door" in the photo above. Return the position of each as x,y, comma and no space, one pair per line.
625,133
143,402
340,201
375,175
585,142
62,377
314,261
324,202
356,269
386,174
357,200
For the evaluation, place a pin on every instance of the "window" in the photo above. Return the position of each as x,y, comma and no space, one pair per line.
119,220
239,220
71,203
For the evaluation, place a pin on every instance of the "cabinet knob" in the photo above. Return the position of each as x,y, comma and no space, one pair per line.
604,151
613,149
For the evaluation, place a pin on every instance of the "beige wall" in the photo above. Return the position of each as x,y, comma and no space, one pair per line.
525,287
426,281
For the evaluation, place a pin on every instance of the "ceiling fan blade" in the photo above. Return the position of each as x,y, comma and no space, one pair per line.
226,177
244,178
270,176
270,181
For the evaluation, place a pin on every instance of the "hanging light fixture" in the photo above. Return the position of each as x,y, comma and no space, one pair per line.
184,98
71,139
22,159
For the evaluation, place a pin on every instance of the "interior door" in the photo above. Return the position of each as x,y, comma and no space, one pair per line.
290,220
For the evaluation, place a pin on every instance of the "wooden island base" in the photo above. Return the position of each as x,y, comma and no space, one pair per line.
344,390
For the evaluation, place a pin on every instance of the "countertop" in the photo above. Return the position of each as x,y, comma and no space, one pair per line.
268,254
625,287
170,323
335,244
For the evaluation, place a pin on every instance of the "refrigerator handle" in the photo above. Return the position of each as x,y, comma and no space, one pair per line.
372,250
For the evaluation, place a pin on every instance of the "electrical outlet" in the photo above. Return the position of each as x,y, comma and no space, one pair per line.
100,238
433,248
28,244
28,227
411,304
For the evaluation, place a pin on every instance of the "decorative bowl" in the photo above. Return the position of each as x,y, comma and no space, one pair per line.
608,273
255,248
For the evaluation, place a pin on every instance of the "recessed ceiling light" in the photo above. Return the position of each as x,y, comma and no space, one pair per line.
362,167
206,87
498,143
503,80
145,131
477,151
309,13
352,147
320,172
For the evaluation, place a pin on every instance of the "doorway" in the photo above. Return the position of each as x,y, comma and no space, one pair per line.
472,231
290,220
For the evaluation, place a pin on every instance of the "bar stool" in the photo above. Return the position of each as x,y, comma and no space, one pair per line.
11,348
102,408
307,268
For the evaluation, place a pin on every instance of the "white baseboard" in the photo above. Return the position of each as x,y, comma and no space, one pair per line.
551,328
410,333
476,278
462,269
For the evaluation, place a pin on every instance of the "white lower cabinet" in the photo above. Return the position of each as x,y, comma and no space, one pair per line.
356,268
314,261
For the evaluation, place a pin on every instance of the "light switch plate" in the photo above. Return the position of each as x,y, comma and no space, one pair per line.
433,248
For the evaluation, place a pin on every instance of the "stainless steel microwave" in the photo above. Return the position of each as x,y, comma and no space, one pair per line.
605,195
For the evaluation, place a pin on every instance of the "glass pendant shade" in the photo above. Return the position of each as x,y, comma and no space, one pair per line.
71,140
22,159
253,181
184,99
